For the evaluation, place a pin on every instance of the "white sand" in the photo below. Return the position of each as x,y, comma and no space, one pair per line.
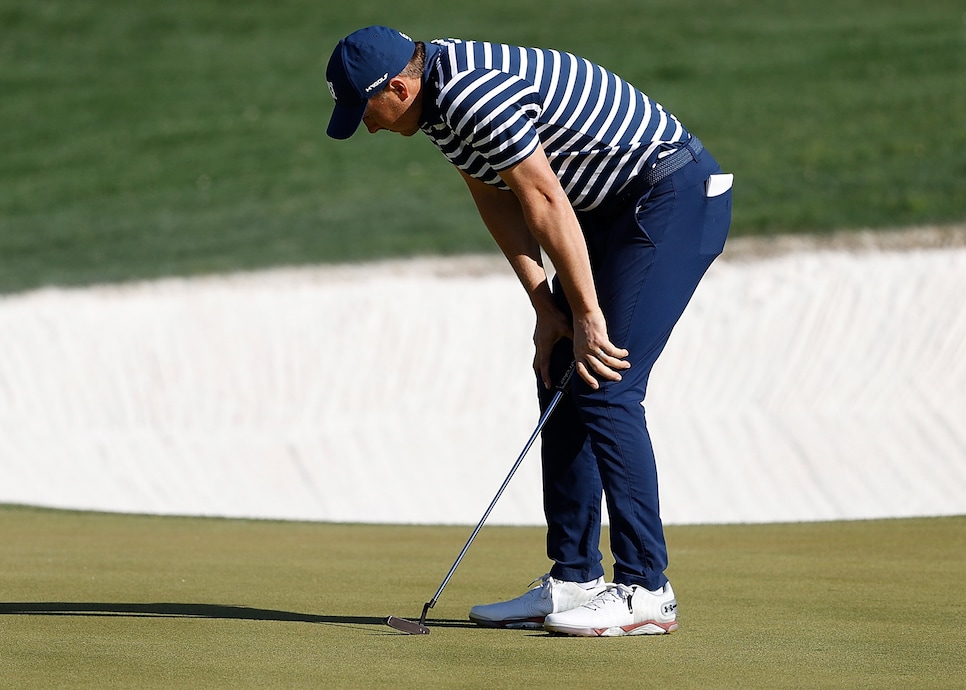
807,381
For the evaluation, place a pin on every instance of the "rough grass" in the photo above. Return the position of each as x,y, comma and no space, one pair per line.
187,137
95,600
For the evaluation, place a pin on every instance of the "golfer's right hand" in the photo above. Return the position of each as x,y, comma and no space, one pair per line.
552,326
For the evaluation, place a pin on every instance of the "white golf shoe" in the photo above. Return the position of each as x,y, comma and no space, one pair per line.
528,610
619,610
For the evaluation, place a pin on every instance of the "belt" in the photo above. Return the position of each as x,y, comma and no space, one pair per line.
641,183
672,163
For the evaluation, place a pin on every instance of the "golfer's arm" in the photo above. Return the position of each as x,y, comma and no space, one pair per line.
538,214
504,218
551,220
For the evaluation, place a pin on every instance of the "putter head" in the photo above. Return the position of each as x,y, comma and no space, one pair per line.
407,626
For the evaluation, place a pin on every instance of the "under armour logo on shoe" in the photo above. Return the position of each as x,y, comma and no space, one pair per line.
669,608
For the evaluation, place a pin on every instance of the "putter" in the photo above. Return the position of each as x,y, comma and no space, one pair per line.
419,628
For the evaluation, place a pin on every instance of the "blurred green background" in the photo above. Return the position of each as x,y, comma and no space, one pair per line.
142,139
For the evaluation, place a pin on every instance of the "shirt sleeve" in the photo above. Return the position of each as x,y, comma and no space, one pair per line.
493,113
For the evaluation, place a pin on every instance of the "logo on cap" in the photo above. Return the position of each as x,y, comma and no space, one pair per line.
332,90
377,82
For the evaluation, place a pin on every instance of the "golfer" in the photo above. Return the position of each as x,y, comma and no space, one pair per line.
562,155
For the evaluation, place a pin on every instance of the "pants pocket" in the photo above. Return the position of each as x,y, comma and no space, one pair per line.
717,220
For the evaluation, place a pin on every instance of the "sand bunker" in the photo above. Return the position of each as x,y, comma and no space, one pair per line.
807,381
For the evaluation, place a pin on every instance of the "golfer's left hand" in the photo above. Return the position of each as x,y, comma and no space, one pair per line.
596,356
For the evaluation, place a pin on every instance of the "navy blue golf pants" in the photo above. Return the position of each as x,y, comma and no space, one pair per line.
647,260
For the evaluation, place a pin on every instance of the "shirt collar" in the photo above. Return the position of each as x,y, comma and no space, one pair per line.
430,110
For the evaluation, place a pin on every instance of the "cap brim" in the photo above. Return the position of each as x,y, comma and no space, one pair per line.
345,120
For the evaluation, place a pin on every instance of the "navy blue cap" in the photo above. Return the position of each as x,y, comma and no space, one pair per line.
361,65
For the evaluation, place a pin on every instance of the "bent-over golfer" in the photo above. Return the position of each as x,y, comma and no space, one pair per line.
561,154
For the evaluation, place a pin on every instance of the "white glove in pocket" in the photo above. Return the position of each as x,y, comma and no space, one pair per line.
718,184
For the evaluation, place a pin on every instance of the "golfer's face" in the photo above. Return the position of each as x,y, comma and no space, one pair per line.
388,111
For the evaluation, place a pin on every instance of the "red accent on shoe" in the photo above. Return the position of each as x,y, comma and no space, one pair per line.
666,627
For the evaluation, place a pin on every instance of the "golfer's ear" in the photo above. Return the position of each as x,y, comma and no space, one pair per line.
399,87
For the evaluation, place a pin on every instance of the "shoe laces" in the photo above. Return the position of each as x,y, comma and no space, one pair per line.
614,592
545,587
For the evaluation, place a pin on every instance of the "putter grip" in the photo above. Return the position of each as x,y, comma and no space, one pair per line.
567,377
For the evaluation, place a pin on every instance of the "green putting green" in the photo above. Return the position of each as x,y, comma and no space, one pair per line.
99,600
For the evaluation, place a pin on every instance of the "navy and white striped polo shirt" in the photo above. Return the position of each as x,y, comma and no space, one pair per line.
487,105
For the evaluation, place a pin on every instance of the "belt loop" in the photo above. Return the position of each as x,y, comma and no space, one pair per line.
690,146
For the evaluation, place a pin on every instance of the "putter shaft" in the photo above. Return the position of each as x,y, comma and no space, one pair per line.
561,388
